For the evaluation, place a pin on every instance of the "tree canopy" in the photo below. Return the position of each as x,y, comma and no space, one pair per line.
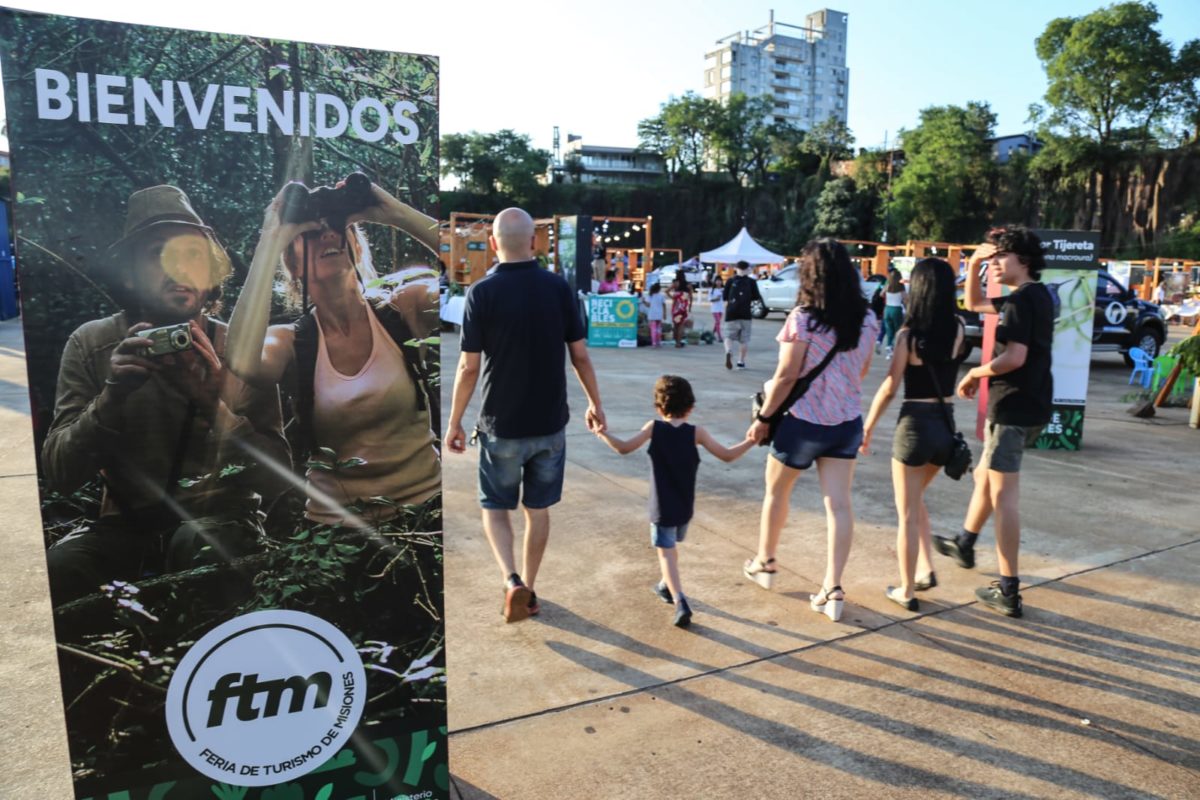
489,163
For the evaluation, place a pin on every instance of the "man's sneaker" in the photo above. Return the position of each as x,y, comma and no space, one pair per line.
683,614
534,608
516,601
963,556
728,361
663,592
1007,604
741,365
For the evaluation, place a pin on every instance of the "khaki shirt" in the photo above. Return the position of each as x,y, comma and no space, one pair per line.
145,440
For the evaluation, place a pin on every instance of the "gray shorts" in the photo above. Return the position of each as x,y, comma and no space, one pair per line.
1003,445
736,330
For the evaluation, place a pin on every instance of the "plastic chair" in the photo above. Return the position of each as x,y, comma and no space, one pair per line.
1143,365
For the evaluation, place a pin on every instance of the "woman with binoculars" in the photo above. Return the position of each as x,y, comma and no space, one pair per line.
354,363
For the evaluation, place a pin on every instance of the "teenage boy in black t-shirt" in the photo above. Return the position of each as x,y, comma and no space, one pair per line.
1020,397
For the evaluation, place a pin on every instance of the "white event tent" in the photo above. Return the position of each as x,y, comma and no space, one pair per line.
741,248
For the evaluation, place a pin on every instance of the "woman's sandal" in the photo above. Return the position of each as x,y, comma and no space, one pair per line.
925,584
831,607
761,572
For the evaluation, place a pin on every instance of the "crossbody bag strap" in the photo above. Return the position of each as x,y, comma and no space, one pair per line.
941,400
805,381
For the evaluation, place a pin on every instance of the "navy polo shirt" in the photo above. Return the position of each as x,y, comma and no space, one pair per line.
520,318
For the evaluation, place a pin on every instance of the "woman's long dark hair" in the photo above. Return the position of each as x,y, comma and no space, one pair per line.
932,319
895,283
831,292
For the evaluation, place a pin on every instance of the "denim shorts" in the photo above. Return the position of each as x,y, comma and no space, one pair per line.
665,536
923,435
799,443
1003,445
530,467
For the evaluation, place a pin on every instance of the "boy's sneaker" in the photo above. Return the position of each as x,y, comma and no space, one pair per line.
663,592
741,365
728,361
683,614
517,599
1007,604
962,555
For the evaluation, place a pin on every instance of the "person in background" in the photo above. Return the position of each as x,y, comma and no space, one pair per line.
655,311
716,296
893,311
681,306
740,294
609,284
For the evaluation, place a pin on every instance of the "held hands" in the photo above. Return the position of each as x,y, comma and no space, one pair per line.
865,448
596,422
758,432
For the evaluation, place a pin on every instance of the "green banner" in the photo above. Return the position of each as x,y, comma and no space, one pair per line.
612,320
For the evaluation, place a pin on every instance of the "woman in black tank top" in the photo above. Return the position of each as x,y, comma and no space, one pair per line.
926,361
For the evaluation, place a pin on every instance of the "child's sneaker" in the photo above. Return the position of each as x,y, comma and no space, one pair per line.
683,614
663,592
534,608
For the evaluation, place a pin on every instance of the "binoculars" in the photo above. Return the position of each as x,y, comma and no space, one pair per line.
328,203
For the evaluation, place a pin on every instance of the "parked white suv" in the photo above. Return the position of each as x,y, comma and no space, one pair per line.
780,289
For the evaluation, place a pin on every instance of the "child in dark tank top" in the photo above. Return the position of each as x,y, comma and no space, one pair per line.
674,459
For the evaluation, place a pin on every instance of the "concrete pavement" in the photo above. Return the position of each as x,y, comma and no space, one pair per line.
1092,694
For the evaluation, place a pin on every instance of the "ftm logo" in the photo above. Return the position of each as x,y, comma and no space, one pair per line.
265,698
246,689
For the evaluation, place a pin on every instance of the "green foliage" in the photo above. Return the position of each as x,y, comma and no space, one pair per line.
681,132
1110,68
840,210
738,135
1188,353
944,192
488,163
829,139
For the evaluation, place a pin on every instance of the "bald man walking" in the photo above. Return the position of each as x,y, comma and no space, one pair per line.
516,323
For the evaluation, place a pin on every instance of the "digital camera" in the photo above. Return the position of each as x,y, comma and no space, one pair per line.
168,339
329,203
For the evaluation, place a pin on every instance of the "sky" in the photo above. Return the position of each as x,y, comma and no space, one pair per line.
596,69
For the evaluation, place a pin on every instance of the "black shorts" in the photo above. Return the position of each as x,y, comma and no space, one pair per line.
922,435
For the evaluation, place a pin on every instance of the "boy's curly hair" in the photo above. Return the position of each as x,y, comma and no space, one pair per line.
1022,243
673,396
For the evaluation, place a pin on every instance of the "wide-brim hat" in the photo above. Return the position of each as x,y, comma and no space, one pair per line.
158,206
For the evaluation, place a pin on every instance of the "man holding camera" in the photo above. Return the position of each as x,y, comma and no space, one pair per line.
143,400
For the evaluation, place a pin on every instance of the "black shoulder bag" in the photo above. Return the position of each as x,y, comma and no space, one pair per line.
960,451
798,389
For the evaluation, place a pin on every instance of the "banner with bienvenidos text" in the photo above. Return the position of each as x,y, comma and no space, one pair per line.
226,248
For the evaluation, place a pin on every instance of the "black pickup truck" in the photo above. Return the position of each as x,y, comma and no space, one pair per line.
1123,320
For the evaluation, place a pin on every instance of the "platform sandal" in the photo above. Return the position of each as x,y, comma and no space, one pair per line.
831,607
761,572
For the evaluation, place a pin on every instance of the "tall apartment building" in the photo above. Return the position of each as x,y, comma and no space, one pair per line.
803,68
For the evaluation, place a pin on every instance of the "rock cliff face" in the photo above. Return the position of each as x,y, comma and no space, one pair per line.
1146,197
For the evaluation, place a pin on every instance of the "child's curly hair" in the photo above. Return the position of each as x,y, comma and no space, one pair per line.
673,396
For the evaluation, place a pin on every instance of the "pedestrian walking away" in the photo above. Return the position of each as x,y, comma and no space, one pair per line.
831,329
928,352
1020,402
716,297
674,459
740,294
516,324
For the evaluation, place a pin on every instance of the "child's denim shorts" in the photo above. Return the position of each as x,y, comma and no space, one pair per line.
665,536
